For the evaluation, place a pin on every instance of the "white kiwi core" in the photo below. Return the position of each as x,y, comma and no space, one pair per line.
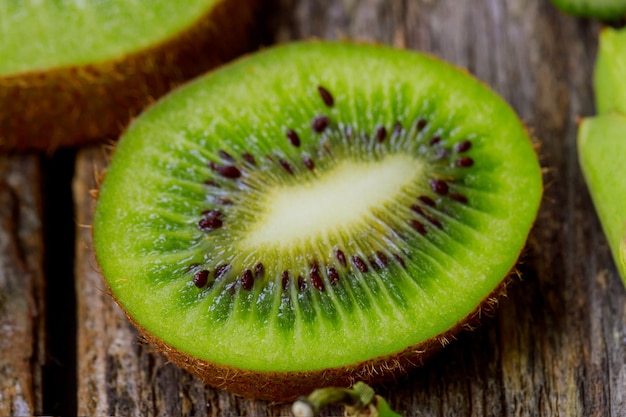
339,199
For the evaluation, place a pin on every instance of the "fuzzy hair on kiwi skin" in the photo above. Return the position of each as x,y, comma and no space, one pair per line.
67,106
288,386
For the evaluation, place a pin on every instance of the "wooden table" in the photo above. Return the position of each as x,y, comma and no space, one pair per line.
556,346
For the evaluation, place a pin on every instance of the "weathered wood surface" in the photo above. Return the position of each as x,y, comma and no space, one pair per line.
556,346
21,287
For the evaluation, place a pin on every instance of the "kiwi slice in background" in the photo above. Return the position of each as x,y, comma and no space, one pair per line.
599,9
602,143
315,214
602,155
610,72
74,71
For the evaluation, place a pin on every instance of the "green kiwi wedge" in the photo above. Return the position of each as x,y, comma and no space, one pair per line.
599,9
610,72
315,214
602,152
77,71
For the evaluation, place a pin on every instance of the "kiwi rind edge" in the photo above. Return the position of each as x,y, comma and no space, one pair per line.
608,10
288,386
66,106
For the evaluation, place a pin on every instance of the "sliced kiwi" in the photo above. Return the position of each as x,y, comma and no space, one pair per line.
610,72
599,9
602,152
315,214
602,143
75,71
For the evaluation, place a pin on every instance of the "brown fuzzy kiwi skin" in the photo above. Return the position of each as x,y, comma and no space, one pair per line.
288,386
67,106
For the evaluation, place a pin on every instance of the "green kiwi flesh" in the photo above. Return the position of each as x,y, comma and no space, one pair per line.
610,72
599,9
75,71
315,213
602,152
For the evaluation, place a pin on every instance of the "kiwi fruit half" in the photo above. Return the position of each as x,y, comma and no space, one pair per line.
315,214
602,152
599,9
75,71
610,72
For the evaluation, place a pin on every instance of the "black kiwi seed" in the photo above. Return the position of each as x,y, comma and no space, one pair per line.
435,222
421,124
201,278
316,279
435,140
226,156
382,258
212,183
301,283
373,263
210,223
326,96
359,263
333,275
293,138
381,134
427,200
459,197
418,226
285,280
464,161
286,166
259,270
341,257
418,209
308,162
463,146
247,280
229,171
221,270
225,201
248,158
399,259
320,123
439,186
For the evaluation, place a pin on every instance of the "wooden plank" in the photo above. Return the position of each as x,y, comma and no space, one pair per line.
117,373
21,287
556,345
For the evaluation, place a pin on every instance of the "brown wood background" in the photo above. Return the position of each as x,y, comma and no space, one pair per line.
556,346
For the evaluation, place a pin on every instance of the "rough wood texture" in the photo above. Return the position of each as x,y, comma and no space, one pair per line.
21,287
556,345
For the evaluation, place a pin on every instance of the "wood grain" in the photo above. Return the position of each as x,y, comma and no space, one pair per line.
556,346
21,287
